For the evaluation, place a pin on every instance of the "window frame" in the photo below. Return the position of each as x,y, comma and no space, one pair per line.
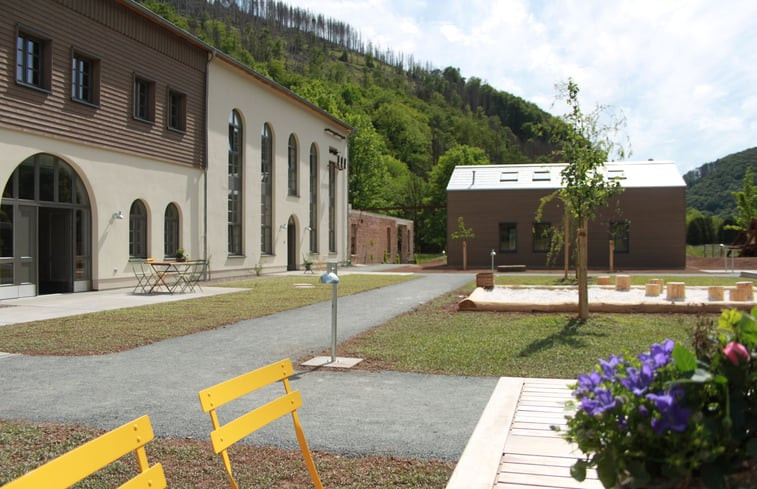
93,84
149,99
266,189
626,237
538,235
176,110
171,230
235,183
313,214
43,70
138,230
503,227
293,167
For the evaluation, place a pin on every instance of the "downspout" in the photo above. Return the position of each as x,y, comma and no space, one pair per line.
206,156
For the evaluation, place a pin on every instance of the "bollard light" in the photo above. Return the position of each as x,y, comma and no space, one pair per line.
330,277
493,254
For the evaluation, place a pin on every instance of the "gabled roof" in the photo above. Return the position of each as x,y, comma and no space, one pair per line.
630,174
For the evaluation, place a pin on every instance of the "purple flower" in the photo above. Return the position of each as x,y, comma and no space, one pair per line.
659,355
587,383
638,381
672,415
601,402
610,367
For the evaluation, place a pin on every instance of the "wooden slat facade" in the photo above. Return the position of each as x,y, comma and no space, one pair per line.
125,44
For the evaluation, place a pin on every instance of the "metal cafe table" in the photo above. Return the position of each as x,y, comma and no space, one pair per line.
168,274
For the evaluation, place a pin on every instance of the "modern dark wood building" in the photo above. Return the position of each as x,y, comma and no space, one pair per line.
499,203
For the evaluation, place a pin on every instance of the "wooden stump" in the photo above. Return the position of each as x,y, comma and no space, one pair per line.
658,281
485,280
604,280
622,282
748,289
738,294
715,293
676,290
653,290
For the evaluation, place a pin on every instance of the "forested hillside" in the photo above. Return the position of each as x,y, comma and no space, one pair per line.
413,122
709,187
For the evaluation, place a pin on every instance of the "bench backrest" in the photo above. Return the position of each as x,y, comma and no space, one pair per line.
224,436
73,466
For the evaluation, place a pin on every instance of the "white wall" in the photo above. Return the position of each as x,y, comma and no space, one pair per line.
114,180
233,88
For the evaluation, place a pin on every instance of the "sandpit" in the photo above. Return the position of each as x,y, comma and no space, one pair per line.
601,299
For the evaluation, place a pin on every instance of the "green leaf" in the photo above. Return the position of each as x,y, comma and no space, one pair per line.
684,360
712,476
702,376
606,471
638,470
578,470
751,448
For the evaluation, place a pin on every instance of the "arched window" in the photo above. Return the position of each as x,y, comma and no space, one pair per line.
137,230
266,190
236,136
313,225
171,231
292,174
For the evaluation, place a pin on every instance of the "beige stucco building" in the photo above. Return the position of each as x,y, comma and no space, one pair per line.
123,137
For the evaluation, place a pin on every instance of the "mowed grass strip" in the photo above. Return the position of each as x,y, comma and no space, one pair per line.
124,329
192,464
436,338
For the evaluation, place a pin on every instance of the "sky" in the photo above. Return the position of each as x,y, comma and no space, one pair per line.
682,73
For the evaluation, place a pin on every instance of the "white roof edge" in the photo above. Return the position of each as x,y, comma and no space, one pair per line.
534,176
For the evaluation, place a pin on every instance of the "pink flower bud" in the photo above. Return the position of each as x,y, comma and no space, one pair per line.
736,352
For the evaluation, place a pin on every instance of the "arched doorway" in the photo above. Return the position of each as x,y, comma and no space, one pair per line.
45,224
291,244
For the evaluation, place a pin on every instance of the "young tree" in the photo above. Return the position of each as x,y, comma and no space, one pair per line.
465,234
746,203
585,147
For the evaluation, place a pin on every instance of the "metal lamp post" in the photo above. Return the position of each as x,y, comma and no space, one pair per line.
493,254
330,277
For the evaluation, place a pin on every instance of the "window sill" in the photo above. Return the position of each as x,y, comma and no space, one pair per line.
34,87
145,121
85,102
177,131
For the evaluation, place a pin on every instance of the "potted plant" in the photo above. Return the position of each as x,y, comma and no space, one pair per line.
180,255
308,264
671,417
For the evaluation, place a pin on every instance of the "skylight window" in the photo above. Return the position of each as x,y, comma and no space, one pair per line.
616,174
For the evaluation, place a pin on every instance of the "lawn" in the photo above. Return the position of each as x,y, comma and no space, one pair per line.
124,329
435,338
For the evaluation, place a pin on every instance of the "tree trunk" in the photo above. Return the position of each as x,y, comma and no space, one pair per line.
612,256
465,255
582,271
566,242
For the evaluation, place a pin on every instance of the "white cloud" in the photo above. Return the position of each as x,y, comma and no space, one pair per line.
683,71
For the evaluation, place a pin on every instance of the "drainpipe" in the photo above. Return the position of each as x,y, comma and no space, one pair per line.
205,169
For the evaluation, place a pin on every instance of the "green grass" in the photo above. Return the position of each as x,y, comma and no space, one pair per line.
437,339
124,329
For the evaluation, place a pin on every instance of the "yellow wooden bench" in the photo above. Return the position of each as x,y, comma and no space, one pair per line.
223,436
73,466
